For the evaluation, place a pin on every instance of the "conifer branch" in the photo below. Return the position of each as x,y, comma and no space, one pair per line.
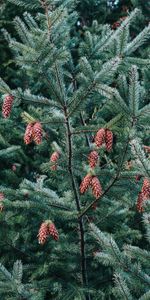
81,225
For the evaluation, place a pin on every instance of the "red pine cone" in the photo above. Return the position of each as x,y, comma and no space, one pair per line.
96,187
7,105
1,199
37,133
100,137
140,202
144,194
146,188
108,139
54,157
93,159
28,134
85,183
43,233
53,231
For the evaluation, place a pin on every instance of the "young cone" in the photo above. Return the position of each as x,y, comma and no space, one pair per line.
7,105
54,157
53,231
28,134
93,159
85,183
37,133
108,139
96,187
100,137
43,233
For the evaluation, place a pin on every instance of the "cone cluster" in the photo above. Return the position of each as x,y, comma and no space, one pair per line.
92,182
34,133
47,228
143,195
53,159
7,106
104,136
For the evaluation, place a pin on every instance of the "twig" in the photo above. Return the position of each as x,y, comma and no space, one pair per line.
84,124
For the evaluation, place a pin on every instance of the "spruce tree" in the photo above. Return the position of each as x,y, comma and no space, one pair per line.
75,170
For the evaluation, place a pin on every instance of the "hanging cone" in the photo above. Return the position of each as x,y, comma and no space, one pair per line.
53,231
139,204
93,159
28,134
43,233
96,187
100,137
146,188
37,133
143,195
7,105
108,139
85,183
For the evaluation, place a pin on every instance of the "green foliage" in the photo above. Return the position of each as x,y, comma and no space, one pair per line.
75,81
